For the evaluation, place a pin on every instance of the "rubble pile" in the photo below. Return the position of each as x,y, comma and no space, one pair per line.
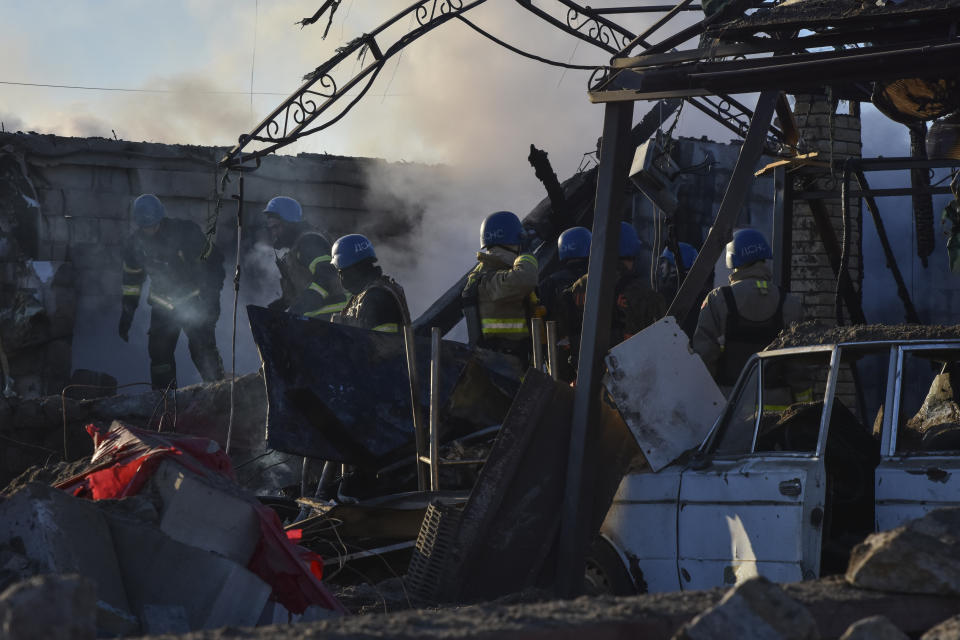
167,541
811,332
32,430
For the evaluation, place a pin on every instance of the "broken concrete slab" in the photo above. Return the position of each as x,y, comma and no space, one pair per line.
947,630
874,628
49,607
756,609
62,534
651,378
206,512
160,571
922,556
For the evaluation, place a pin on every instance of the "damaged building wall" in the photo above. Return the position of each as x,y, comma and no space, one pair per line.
705,168
83,188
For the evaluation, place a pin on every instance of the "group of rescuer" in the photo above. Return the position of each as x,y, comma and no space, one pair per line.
342,282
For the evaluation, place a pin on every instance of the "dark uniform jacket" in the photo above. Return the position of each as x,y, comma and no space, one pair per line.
179,277
380,306
636,306
309,283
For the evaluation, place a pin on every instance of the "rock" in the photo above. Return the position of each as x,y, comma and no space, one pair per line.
949,629
49,607
922,556
208,513
874,628
754,610
163,576
61,534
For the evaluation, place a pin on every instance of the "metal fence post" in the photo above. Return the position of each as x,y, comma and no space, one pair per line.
552,364
418,426
615,156
435,409
536,335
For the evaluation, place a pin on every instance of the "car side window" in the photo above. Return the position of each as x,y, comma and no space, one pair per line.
929,416
779,407
736,435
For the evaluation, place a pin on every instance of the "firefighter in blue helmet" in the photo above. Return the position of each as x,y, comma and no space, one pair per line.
573,252
498,298
308,283
376,301
743,317
185,283
636,305
668,281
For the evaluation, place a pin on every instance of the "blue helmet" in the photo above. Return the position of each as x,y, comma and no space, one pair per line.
747,246
629,241
574,243
502,227
148,210
285,208
351,249
687,251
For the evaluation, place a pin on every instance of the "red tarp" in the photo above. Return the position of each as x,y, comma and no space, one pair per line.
124,458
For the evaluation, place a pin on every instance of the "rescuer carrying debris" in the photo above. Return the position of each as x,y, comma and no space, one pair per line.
636,305
740,319
378,302
308,283
498,299
184,290
573,251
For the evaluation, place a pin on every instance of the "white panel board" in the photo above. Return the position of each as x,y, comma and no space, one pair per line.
663,391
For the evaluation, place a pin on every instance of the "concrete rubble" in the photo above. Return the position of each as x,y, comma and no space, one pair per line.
874,628
923,556
68,606
182,554
756,609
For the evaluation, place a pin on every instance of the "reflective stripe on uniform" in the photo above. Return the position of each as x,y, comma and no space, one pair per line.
316,261
527,257
131,269
131,289
330,308
503,325
763,285
315,287
387,327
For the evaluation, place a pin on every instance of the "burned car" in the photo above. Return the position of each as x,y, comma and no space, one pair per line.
817,447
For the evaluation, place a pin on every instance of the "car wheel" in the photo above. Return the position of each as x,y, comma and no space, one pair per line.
605,572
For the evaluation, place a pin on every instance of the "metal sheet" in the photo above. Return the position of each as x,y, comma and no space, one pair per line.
342,393
663,391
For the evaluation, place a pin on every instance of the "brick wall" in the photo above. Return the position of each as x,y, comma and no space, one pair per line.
835,136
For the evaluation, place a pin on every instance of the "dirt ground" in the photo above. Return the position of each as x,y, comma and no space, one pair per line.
833,604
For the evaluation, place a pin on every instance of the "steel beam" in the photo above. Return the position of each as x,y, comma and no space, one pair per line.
733,199
615,157
788,72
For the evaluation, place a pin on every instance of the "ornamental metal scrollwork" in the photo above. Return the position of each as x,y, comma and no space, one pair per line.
443,7
593,28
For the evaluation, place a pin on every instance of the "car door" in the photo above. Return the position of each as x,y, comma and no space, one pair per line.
752,502
918,473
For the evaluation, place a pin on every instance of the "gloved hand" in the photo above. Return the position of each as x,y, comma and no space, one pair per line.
126,319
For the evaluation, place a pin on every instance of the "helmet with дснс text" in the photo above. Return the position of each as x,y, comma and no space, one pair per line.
350,250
